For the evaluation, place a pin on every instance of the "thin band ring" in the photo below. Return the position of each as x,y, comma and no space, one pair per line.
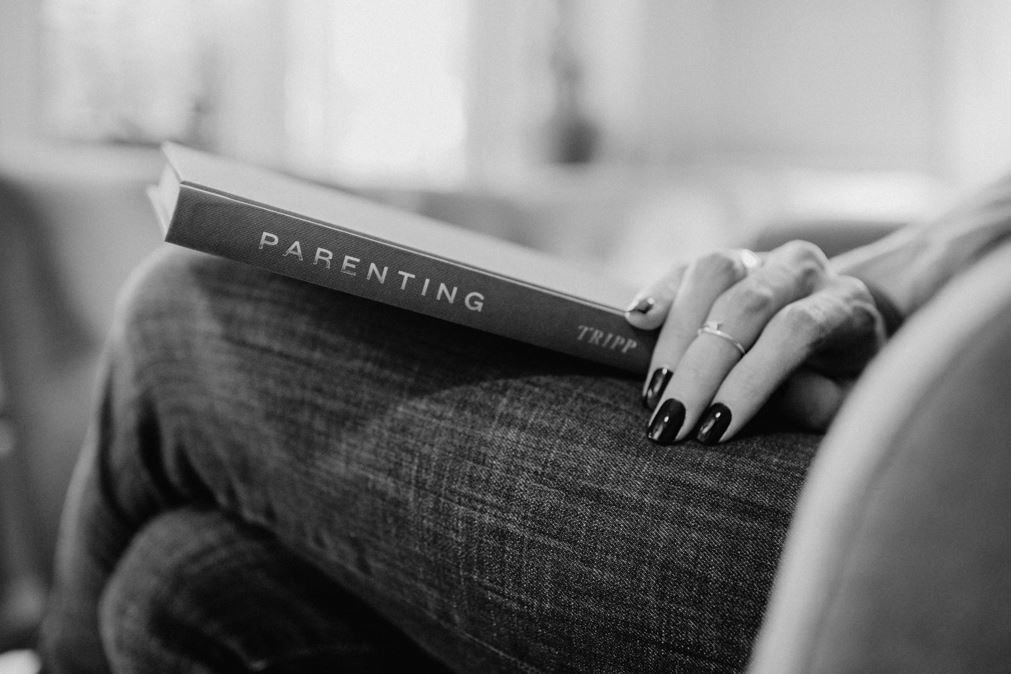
713,328
750,259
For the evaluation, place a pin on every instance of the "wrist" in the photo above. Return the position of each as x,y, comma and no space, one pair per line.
890,268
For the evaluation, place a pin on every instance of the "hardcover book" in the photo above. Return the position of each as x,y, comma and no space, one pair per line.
350,244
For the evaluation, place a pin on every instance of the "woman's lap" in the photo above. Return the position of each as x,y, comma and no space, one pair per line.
498,503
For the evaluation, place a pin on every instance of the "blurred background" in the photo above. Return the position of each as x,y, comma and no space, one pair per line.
624,135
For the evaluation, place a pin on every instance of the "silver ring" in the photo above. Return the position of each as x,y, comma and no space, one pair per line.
749,259
713,328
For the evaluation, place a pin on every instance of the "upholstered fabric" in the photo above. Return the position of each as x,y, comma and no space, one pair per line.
899,558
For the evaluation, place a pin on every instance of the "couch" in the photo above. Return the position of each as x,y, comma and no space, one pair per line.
899,556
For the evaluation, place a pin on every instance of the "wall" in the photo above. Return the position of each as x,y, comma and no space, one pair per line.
806,81
848,82
974,110
18,59
921,85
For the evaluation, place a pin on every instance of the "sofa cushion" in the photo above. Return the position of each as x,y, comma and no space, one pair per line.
900,555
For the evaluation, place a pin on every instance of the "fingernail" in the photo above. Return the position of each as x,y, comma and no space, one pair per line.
657,383
641,306
714,424
667,422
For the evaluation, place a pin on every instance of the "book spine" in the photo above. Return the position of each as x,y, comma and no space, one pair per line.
350,262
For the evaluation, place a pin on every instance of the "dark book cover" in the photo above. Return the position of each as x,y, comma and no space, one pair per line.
347,243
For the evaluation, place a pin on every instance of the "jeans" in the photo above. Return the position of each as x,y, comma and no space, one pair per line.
284,478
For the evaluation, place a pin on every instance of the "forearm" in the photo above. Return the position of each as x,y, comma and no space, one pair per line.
912,264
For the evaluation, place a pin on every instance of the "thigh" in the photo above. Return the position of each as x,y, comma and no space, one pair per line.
499,503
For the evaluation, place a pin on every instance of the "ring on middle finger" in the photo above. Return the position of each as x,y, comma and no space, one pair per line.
713,328
750,259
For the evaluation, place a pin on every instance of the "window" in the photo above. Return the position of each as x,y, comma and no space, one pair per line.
390,90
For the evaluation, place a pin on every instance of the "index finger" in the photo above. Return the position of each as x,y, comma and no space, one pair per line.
650,306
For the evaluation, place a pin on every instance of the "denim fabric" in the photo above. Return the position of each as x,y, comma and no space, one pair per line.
199,591
497,504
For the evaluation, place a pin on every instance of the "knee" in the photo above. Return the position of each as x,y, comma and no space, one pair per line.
152,613
176,293
165,285
139,595
178,303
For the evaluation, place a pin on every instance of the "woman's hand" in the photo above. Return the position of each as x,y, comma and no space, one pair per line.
738,327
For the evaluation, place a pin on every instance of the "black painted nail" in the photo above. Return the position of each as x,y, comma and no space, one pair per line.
666,423
657,383
641,306
714,424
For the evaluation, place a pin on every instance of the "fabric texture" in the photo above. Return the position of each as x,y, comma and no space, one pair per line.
430,492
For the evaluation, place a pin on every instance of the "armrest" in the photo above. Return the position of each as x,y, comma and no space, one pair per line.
899,554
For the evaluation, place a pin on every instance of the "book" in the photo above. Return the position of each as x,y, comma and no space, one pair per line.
348,243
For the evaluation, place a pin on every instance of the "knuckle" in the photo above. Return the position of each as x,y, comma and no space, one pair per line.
863,313
807,274
865,318
805,252
753,296
851,287
719,264
805,322
805,266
